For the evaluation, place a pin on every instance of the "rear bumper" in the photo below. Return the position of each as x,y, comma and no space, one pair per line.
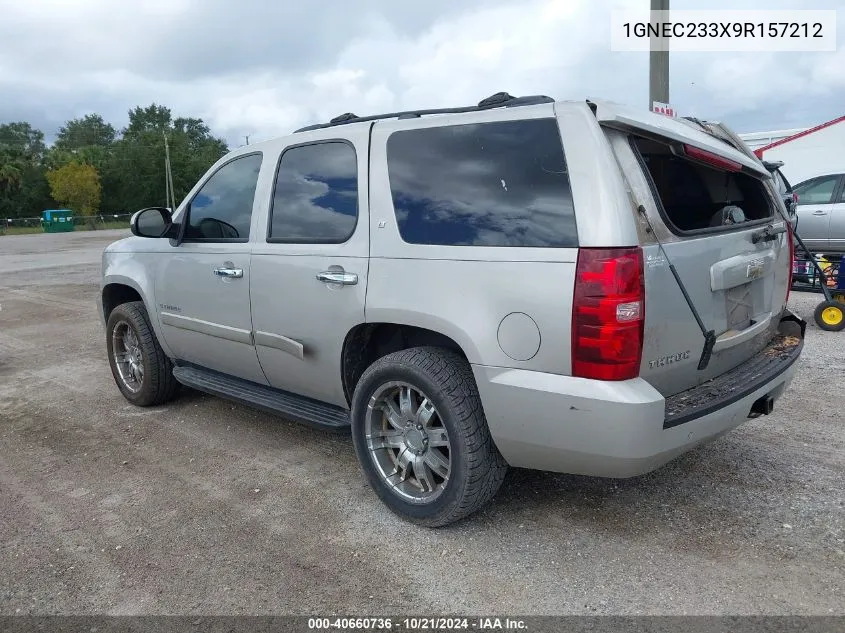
626,428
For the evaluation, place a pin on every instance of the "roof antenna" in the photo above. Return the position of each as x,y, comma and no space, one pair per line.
494,100
342,118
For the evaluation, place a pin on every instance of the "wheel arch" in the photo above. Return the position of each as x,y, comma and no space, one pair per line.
117,289
115,294
367,342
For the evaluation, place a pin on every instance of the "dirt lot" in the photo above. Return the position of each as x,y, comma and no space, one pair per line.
206,507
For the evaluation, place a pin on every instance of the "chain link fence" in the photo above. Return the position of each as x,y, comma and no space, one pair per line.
11,226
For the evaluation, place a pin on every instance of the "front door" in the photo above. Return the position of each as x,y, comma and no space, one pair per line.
815,205
202,285
837,221
309,275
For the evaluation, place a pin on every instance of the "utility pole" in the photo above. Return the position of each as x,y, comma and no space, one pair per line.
658,63
166,179
168,174
246,137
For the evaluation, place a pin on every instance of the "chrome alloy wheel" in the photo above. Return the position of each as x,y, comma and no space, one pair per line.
127,356
408,442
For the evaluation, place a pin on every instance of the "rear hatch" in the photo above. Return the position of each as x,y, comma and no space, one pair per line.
714,209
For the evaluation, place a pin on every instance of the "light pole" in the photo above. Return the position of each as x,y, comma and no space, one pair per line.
658,64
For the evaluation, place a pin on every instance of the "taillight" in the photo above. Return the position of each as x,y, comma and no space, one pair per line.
795,198
791,241
711,159
608,312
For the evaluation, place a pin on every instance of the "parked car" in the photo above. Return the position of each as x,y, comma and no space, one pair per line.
467,289
821,213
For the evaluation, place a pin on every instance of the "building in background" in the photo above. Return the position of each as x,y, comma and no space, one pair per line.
805,153
756,140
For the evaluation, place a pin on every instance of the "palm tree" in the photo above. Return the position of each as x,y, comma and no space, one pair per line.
10,175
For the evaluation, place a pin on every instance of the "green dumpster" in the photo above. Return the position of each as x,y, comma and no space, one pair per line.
57,220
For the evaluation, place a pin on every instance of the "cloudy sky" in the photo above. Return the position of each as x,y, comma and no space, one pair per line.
264,67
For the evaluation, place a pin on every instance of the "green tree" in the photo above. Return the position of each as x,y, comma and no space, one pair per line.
21,139
89,131
10,175
137,170
153,118
129,163
23,189
78,187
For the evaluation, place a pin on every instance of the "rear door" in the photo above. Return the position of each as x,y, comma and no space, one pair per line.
309,268
705,201
815,209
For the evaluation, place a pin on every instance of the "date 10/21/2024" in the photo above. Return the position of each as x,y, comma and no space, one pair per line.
417,624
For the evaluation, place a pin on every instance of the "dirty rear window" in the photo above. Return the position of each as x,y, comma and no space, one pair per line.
502,183
697,197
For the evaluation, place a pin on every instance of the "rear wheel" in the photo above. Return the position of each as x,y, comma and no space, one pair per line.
422,438
141,369
830,316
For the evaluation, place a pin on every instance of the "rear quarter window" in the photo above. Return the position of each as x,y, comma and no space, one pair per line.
502,183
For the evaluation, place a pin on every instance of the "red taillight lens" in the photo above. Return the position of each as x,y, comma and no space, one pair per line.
608,312
711,159
795,198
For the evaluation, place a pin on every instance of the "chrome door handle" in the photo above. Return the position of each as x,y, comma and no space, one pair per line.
229,273
819,212
337,277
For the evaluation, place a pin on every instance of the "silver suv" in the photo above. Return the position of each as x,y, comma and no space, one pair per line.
567,286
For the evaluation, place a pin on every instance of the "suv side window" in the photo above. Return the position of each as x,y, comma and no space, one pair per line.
221,210
817,190
503,183
316,194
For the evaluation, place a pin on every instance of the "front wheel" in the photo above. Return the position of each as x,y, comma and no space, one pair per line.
421,436
141,369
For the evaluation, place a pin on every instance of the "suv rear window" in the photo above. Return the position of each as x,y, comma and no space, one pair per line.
697,197
503,183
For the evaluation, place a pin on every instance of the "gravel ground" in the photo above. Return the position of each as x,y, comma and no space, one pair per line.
206,507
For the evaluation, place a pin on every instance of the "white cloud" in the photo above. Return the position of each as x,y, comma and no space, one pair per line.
264,69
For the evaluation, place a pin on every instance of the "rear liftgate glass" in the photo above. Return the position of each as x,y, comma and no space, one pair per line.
726,277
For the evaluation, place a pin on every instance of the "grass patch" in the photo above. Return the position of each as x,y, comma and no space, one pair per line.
25,230
20,230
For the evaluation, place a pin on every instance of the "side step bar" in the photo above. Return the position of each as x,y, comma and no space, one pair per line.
288,405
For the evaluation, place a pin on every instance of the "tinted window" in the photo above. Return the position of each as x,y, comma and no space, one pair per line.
222,208
486,184
316,196
817,190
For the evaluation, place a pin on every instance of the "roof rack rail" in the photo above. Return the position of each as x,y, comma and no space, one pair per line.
498,100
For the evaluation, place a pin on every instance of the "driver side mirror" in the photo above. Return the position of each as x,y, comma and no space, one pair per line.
153,222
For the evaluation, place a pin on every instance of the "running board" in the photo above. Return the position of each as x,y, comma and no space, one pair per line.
288,405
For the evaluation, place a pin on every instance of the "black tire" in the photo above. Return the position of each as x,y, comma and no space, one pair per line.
823,313
158,384
476,466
